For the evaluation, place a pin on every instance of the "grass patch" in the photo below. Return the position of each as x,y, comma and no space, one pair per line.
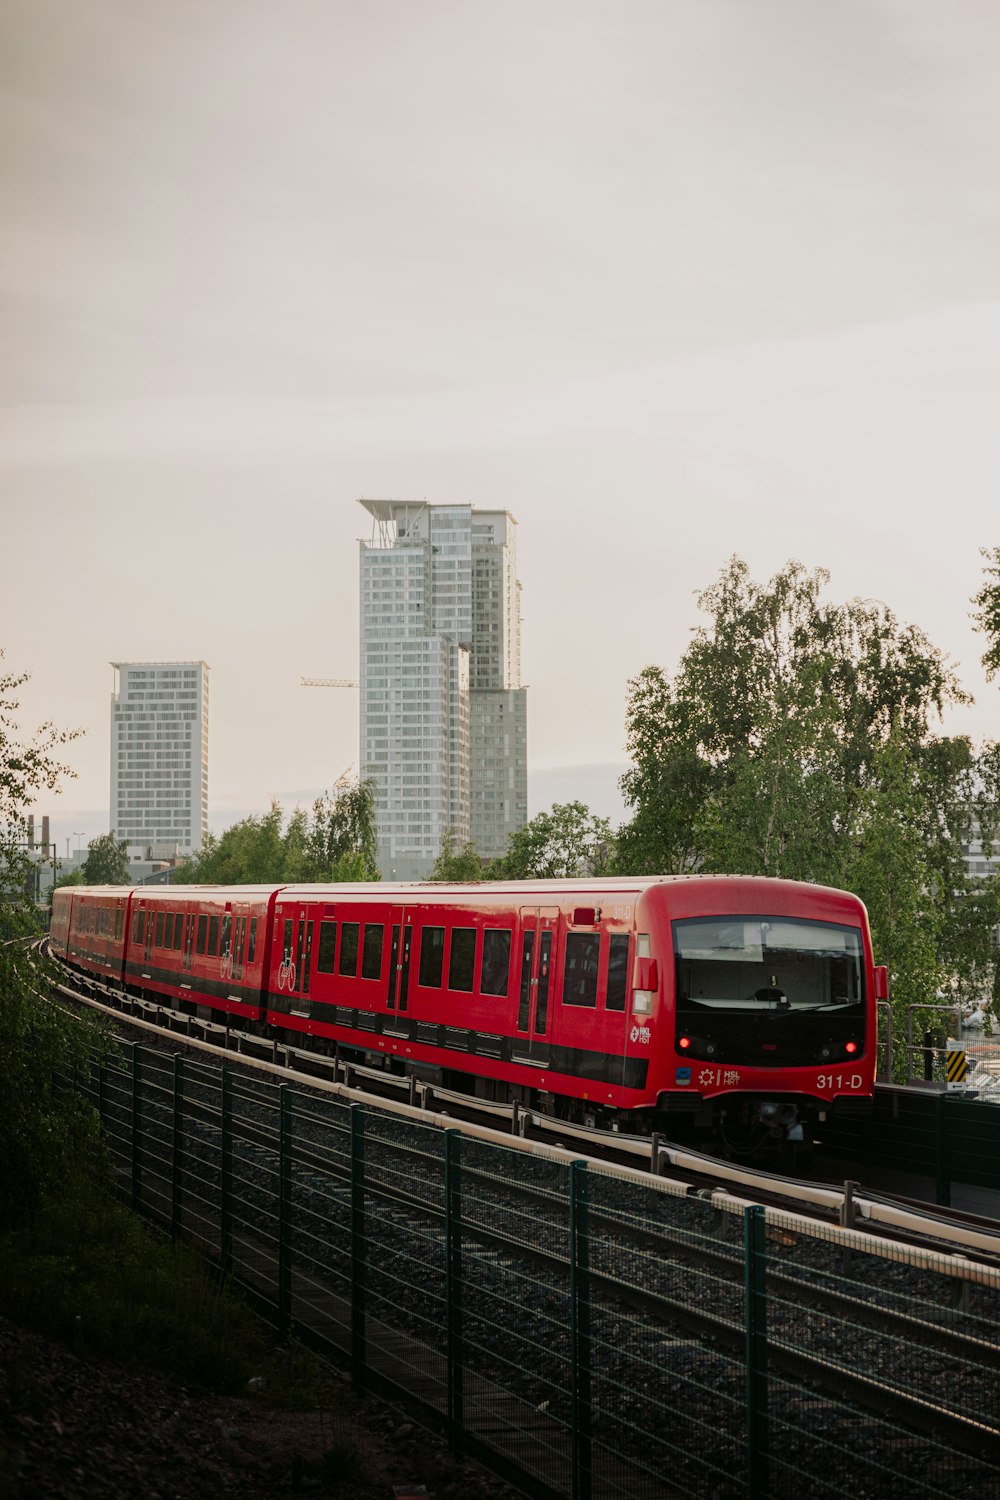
97,1277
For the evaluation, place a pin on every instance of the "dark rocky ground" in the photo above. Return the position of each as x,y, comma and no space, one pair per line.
73,1428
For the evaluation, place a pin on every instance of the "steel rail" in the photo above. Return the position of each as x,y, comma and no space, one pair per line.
878,1211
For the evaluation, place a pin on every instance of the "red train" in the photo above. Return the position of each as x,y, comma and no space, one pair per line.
744,1005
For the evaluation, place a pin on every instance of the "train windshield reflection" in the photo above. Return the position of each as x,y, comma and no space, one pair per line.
770,963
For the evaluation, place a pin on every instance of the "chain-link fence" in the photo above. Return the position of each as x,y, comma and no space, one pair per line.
588,1332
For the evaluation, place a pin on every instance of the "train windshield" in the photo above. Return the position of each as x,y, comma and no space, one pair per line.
768,963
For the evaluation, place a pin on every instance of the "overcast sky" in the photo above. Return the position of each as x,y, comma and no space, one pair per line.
669,281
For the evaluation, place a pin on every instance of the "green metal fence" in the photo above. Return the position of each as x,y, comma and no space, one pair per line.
946,1137
589,1333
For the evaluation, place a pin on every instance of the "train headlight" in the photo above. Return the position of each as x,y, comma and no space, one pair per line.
851,1048
683,1043
642,1002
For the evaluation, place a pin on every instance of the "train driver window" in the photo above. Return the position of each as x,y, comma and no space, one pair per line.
617,971
327,947
371,956
349,934
496,961
580,980
431,957
462,964
202,938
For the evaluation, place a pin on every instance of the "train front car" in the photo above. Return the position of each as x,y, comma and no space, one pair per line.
768,993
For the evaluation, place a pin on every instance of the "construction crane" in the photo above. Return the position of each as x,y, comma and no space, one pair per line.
345,777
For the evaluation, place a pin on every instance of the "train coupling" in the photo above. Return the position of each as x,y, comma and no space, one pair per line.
782,1121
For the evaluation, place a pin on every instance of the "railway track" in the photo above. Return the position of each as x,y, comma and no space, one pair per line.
882,1318
846,1205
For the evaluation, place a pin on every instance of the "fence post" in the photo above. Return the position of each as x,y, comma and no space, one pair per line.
136,1121
942,1153
226,1193
453,1283
284,1209
579,1304
177,1147
358,1360
755,1318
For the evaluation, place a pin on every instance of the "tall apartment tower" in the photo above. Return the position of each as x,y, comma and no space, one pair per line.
443,713
159,756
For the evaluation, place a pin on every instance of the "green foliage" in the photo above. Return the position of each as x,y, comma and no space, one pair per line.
75,877
566,841
98,1277
335,842
795,740
987,616
45,1131
456,865
107,861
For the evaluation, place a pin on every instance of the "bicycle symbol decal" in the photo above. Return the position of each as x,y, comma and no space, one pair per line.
286,974
226,966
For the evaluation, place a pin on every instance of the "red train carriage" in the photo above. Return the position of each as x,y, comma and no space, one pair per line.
200,946
733,1002
89,925
737,1001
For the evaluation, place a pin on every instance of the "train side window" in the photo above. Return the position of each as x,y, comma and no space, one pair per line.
496,961
119,923
371,957
202,934
327,947
349,934
288,938
302,979
168,929
306,970
462,964
159,929
524,1004
178,929
583,951
213,935
227,927
141,928
253,940
617,971
431,957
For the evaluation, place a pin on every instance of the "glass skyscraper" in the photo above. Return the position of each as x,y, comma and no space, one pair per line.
443,714
159,757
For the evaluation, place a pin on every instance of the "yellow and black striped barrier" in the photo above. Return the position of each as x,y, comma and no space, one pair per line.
956,1068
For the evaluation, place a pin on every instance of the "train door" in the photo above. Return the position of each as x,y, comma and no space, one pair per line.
400,949
539,934
304,955
187,952
238,947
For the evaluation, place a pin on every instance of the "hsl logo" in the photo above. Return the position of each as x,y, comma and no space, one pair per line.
683,1075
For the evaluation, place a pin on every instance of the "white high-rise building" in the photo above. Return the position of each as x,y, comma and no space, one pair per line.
443,713
159,757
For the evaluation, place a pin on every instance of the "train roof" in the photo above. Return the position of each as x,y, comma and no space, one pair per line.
509,890
615,884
